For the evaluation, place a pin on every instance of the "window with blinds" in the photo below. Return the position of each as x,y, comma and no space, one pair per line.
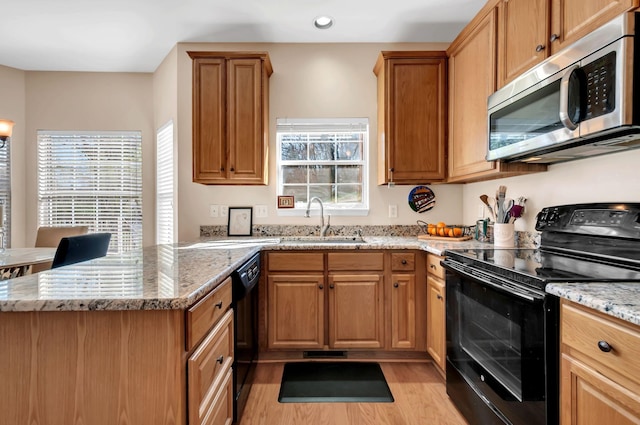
93,179
326,158
5,194
164,185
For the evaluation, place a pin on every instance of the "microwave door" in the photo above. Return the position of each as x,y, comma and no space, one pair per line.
528,122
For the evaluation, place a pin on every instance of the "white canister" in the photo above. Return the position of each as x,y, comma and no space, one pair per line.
503,235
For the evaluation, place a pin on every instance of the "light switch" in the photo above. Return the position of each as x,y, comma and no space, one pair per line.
224,210
214,210
393,211
261,211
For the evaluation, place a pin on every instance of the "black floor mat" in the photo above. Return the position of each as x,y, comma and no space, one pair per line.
320,382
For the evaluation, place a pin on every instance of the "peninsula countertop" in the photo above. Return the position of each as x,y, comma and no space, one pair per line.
167,276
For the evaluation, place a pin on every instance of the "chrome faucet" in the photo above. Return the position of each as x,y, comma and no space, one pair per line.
323,228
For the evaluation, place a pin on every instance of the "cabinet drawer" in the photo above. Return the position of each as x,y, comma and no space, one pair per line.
208,366
204,314
221,411
405,261
295,261
583,330
434,267
355,261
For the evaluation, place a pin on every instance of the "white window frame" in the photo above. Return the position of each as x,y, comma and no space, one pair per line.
165,185
60,186
5,194
324,125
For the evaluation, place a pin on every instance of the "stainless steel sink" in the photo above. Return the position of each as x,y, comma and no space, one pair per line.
323,239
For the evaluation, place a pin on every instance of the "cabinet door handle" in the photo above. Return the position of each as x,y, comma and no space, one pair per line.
231,169
320,287
604,346
554,37
395,285
219,305
404,262
331,286
220,359
433,266
221,168
539,48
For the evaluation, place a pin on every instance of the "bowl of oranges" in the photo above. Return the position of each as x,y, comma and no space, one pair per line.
443,230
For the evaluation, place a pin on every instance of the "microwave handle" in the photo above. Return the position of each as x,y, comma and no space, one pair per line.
564,98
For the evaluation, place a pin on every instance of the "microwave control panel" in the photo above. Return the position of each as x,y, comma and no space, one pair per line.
599,85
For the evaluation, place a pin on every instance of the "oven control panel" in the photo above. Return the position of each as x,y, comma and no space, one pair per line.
620,219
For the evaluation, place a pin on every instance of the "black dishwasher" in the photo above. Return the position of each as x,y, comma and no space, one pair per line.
245,327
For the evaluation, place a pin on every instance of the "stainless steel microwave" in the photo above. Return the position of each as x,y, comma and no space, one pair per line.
579,102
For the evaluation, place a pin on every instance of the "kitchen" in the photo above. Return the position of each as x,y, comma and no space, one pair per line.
344,85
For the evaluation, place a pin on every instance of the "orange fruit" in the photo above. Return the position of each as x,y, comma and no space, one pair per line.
440,224
450,233
457,232
432,230
442,231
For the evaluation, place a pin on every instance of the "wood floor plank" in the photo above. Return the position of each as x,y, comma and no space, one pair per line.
418,390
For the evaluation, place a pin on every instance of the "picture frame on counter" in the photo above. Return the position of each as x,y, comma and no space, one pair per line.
240,221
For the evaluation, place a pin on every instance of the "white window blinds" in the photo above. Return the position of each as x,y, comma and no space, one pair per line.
5,192
164,185
93,179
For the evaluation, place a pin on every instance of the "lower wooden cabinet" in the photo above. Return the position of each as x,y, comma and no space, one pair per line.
221,410
363,300
436,338
599,379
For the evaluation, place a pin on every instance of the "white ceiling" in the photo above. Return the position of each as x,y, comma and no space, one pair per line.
135,35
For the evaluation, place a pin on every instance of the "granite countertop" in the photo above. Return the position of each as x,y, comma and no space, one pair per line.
621,300
167,276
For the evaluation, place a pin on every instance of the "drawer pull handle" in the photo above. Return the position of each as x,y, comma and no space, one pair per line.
331,286
320,287
404,261
395,285
219,305
439,296
604,346
220,359
433,266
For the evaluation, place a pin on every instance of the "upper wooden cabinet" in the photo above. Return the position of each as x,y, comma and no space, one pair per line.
531,30
230,117
472,78
412,99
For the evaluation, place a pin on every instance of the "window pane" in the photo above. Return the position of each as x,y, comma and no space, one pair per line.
324,192
322,151
350,151
299,193
349,173
349,193
294,151
321,174
294,174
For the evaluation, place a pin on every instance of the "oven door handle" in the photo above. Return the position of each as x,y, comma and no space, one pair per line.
495,282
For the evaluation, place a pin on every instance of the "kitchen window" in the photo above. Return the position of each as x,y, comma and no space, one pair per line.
164,185
5,194
326,158
94,179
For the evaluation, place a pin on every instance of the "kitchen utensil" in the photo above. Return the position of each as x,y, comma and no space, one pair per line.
500,195
485,200
493,208
508,204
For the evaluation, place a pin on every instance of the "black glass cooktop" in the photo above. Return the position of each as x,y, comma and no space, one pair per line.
538,267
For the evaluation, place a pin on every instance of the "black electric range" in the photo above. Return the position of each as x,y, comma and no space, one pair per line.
502,328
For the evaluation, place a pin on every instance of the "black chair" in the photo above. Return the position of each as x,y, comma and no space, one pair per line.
74,249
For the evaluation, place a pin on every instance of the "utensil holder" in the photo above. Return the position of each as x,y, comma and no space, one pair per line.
503,235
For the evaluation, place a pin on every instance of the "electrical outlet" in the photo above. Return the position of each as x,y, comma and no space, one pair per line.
214,210
480,210
224,210
393,211
261,211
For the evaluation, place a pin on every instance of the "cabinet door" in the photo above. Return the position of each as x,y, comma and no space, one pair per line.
573,19
245,121
436,344
296,311
209,120
403,311
472,76
412,99
590,398
523,35
356,311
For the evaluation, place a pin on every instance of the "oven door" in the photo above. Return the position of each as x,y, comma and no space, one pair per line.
496,348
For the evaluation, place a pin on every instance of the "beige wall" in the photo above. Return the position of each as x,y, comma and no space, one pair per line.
89,101
606,178
309,80
12,106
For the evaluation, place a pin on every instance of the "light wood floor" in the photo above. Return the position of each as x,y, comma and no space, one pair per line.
418,390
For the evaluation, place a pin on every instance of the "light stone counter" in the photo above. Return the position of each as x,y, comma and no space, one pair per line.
621,300
167,276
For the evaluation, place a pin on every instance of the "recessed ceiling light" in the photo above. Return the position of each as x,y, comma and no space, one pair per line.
323,22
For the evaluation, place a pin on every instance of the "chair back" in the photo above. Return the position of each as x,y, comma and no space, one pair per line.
49,237
74,249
